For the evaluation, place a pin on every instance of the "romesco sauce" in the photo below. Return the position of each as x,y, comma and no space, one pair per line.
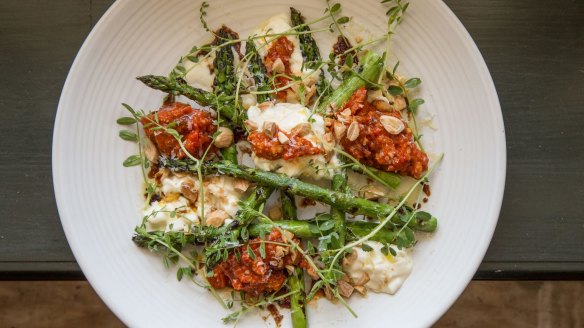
269,147
282,49
378,148
195,126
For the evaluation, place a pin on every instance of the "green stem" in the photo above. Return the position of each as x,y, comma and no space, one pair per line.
297,299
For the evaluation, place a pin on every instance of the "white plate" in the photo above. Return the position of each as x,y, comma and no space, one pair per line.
99,200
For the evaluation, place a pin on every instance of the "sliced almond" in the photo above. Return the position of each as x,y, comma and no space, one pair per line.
345,289
216,218
362,280
353,131
328,137
225,137
250,125
350,258
392,124
278,66
361,290
381,105
241,185
270,128
301,129
346,112
187,188
281,251
339,129
287,236
283,138
150,150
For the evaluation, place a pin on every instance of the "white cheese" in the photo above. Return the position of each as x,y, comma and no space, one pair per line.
160,215
287,116
221,194
279,24
200,75
386,273
172,184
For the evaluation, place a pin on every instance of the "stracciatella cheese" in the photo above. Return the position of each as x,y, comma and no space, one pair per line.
200,74
386,273
287,116
174,215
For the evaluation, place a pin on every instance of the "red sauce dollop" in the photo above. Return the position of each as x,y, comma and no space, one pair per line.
378,148
282,49
270,148
256,275
195,126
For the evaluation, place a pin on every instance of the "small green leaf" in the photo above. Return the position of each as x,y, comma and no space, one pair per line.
392,11
327,225
251,253
412,83
366,248
395,90
392,251
126,120
132,161
129,108
343,20
349,60
336,7
414,104
194,59
128,135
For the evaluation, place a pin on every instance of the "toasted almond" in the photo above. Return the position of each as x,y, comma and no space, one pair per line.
381,105
372,192
171,197
392,124
287,236
283,138
353,131
328,137
225,137
339,130
162,174
150,151
278,66
250,125
281,251
270,128
265,105
216,218
275,213
399,103
241,185
350,258
362,280
301,129
328,122
292,97
187,188
346,112
290,269
345,289
361,290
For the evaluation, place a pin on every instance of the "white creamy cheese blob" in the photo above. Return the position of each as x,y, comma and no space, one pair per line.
386,273
287,116
160,215
200,74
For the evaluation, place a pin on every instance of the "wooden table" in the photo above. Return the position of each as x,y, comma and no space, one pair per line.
534,50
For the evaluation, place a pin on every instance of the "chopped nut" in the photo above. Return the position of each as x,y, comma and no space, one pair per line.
241,185
270,128
290,269
383,106
339,130
353,131
287,236
275,213
328,137
161,174
328,122
392,124
187,188
346,112
350,258
345,289
309,93
328,294
150,151
362,280
372,192
225,137
281,251
399,103
171,197
216,218
283,138
265,105
361,290
278,66
292,97
250,125
301,129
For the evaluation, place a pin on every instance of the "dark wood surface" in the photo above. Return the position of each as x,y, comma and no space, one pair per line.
535,53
